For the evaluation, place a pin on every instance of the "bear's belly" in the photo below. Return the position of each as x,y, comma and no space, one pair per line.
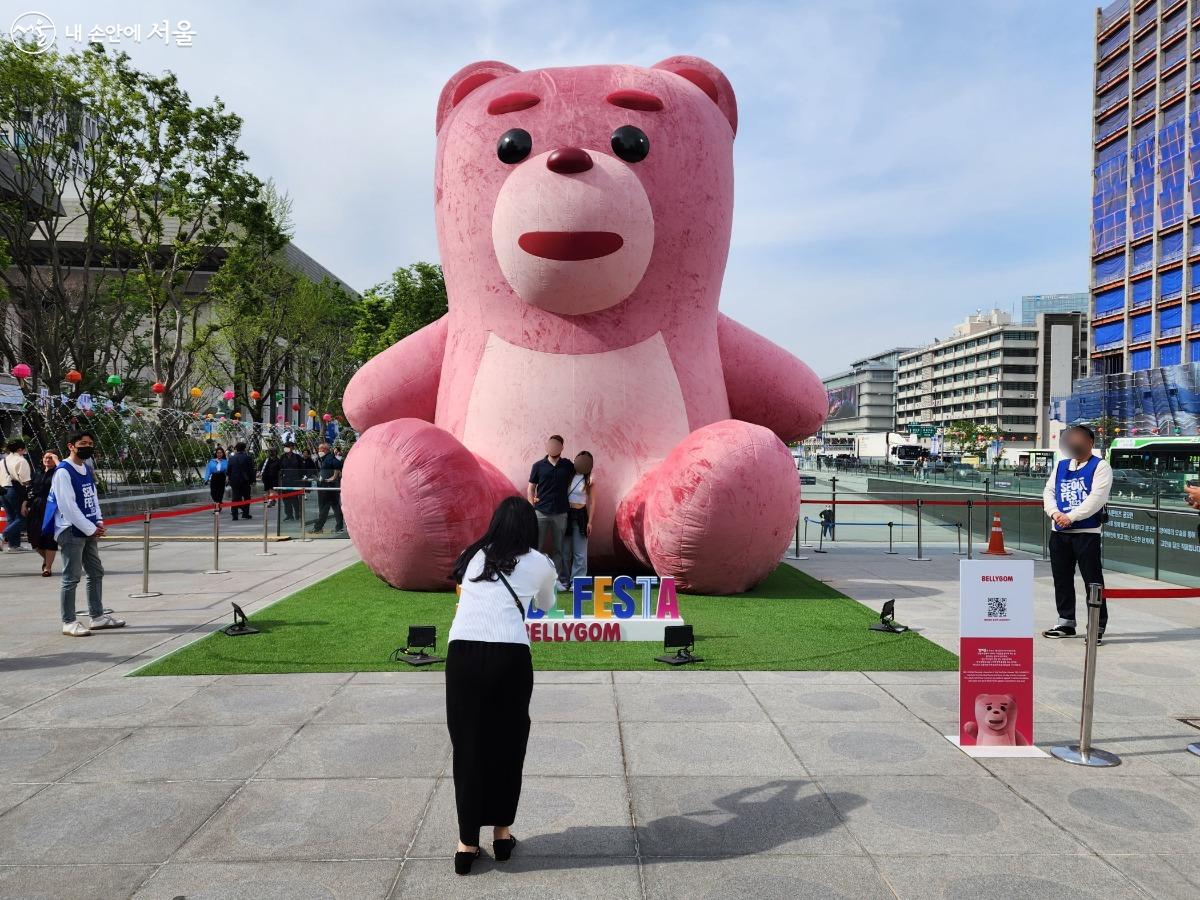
625,406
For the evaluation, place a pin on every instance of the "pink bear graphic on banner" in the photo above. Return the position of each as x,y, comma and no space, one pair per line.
995,722
583,220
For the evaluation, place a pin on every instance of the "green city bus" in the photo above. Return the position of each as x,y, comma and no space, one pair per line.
1155,465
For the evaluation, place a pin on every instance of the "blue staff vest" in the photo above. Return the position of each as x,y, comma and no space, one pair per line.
85,498
1072,488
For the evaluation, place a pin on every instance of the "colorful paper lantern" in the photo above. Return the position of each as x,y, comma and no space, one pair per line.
158,387
312,413
279,418
195,392
295,407
228,395
237,415
327,418
114,380
208,417
279,396
254,395
74,377
20,370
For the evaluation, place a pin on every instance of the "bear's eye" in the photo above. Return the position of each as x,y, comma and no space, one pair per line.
989,706
514,145
630,143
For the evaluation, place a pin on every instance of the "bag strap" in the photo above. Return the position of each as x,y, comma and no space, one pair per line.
516,599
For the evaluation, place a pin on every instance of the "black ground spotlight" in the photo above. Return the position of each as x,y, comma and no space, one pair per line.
887,622
680,637
420,639
240,626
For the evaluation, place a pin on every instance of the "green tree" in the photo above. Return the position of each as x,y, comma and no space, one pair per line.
392,310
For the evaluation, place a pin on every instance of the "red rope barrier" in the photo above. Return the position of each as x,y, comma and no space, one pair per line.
828,501
192,510
1150,593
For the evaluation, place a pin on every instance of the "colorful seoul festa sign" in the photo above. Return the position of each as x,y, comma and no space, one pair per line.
604,608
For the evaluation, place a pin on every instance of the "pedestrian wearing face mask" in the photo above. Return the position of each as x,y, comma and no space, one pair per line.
73,516
1074,500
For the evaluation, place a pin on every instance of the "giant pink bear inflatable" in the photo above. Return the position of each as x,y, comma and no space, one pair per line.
583,217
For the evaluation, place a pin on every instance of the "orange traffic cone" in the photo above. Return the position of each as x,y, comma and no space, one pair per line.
996,541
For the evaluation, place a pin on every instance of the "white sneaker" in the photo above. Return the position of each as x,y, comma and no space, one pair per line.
20,549
106,621
76,629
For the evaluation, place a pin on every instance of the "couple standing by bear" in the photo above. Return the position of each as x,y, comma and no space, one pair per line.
562,496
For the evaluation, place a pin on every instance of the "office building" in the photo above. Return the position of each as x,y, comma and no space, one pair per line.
863,397
1145,284
1032,304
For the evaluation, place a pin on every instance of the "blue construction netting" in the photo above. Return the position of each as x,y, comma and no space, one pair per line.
1141,292
1170,284
1110,300
1139,360
1108,204
1194,181
1195,276
1141,211
1114,123
1169,355
1108,335
1114,40
1194,314
1109,270
1172,317
1195,242
1170,247
1170,166
1140,327
1194,346
1143,259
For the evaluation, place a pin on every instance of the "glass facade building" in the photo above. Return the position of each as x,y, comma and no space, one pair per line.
1032,304
1145,280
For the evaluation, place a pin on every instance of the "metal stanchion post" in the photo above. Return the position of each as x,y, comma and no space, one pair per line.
266,526
796,555
1083,753
303,517
890,551
920,557
821,541
216,566
278,514
833,508
970,528
145,591
806,545
958,534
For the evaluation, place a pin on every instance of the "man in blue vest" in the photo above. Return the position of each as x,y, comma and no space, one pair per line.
73,516
1074,499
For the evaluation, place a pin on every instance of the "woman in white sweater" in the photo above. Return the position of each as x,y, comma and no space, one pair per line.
489,674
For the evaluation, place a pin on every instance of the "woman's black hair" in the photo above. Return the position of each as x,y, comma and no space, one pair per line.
587,478
512,533
216,448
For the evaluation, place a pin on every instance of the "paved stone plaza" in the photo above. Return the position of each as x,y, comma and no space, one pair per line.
638,784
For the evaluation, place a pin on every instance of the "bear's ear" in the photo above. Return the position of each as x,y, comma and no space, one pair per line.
709,79
466,80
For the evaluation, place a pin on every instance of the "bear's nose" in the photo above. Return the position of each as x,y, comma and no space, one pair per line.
568,161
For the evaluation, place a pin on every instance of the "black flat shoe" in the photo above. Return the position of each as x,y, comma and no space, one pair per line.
463,860
503,848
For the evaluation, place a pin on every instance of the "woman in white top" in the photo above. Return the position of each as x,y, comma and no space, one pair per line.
489,674
581,501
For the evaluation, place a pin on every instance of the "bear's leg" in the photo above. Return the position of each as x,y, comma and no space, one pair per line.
414,497
718,512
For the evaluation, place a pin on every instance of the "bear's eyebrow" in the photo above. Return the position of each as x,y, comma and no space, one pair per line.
631,99
513,102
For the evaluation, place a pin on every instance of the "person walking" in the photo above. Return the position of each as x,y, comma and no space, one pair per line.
549,480
216,473
291,478
489,675
73,515
241,479
270,472
1074,499
826,517
329,493
15,476
581,505
39,491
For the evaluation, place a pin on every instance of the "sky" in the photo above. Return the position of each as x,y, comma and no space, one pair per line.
898,165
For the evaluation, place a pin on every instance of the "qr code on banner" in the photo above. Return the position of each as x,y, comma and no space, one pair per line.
997,607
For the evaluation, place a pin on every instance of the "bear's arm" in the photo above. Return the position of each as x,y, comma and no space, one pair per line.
767,385
399,383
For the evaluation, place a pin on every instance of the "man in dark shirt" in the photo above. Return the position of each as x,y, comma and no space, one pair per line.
291,476
329,493
549,482
241,477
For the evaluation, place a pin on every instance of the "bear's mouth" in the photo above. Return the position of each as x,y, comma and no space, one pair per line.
570,246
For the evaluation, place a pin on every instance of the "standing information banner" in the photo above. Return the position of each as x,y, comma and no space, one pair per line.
995,665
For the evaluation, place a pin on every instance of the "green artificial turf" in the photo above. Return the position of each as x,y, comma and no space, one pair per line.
351,622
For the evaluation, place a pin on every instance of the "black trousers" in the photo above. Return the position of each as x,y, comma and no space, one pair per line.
291,505
1068,551
488,686
240,490
327,500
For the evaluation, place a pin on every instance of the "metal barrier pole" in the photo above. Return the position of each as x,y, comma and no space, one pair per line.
145,591
958,534
920,557
303,518
266,525
1083,753
278,514
216,566
970,528
821,540
890,551
833,509
806,545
